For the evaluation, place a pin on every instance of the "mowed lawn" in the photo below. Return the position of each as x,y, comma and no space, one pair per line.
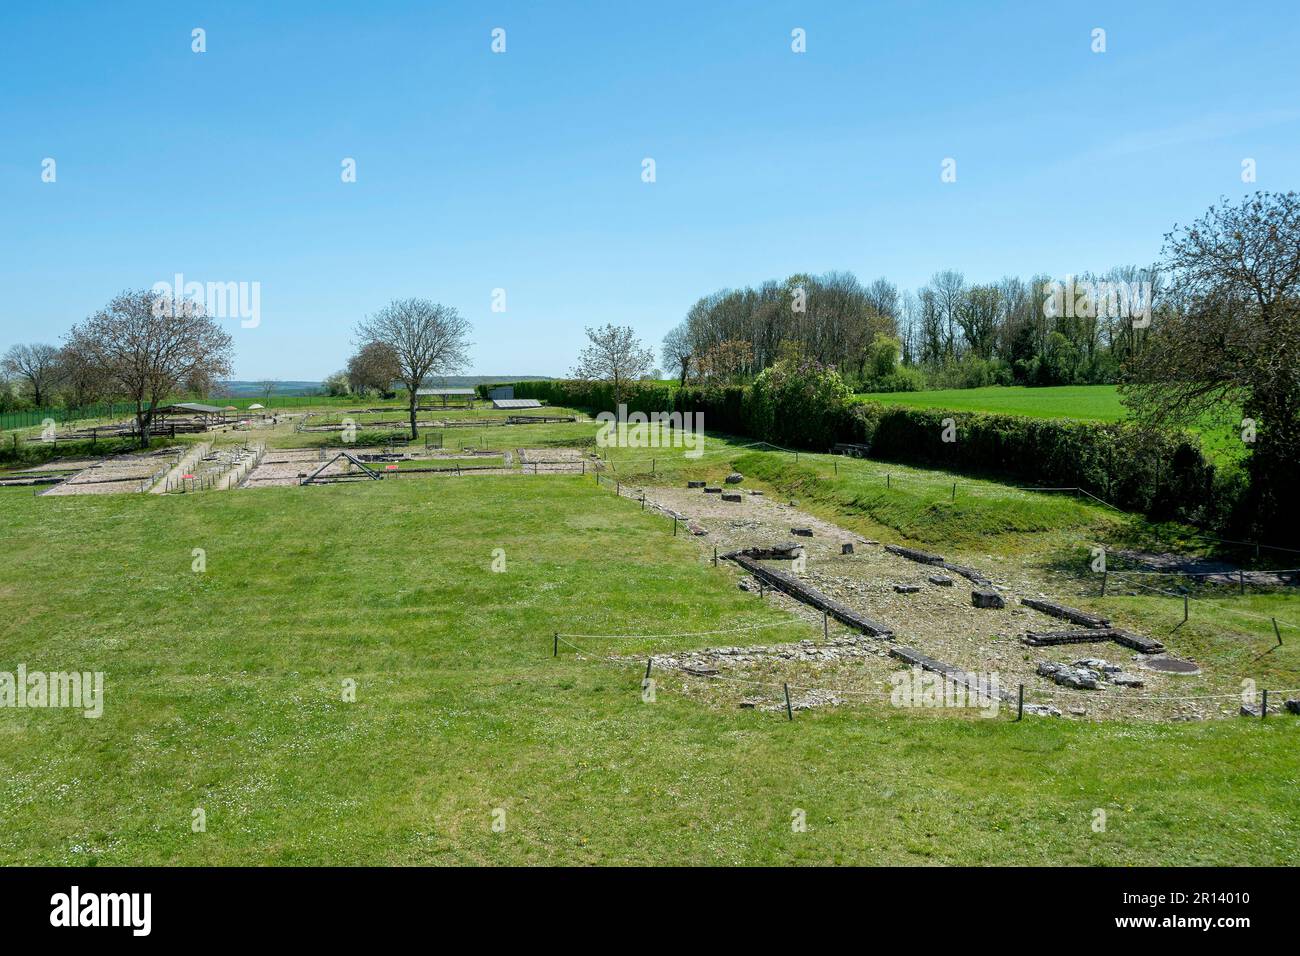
1094,403
1219,433
224,692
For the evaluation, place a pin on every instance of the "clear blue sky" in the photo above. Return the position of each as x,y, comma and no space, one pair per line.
522,170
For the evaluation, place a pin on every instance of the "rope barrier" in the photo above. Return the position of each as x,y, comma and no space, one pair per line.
845,692
1221,607
1206,574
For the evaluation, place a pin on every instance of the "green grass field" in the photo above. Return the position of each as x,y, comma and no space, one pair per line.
1093,403
225,692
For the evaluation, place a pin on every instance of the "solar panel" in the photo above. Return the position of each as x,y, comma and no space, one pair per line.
516,403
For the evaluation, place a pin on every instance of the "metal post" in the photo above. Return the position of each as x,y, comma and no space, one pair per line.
1185,607
826,624
1241,580
1020,703
789,711
1104,575
1263,707
954,491
1275,630
674,526
715,564
556,651
886,479
649,662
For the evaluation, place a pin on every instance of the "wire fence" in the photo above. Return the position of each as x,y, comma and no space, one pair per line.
33,417
984,694
906,478
1036,695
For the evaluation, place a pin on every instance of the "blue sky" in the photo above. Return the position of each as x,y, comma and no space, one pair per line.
522,170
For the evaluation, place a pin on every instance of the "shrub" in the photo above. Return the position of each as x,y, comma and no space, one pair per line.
798,404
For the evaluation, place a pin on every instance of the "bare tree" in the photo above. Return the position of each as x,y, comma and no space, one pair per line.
427,338
949,294
977,314
147,345
36,365
677,350
615,355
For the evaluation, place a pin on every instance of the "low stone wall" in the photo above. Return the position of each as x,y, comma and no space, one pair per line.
791,585
1067,613
921,557
955,674
970,574
1137,642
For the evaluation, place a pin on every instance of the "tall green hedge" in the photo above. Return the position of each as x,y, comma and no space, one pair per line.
1164,476
1161,475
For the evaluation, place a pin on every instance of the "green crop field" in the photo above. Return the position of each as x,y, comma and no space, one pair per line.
1094,403
227,688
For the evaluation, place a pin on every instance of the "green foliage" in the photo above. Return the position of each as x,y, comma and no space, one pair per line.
798,404
27,453
906,378
1164,476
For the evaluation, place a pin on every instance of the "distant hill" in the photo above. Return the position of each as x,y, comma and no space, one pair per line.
243,389
251,389
465,381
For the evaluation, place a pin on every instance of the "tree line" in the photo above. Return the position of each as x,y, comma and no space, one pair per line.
145,347
1212,330
950,333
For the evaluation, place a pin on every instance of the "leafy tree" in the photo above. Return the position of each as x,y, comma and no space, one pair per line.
799,404
614,355
337,385
375,366
1233,340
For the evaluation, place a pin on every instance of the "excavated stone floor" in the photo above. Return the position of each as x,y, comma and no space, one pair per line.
936,620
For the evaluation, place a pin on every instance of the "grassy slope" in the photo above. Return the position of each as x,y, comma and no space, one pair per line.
920,504
223,692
